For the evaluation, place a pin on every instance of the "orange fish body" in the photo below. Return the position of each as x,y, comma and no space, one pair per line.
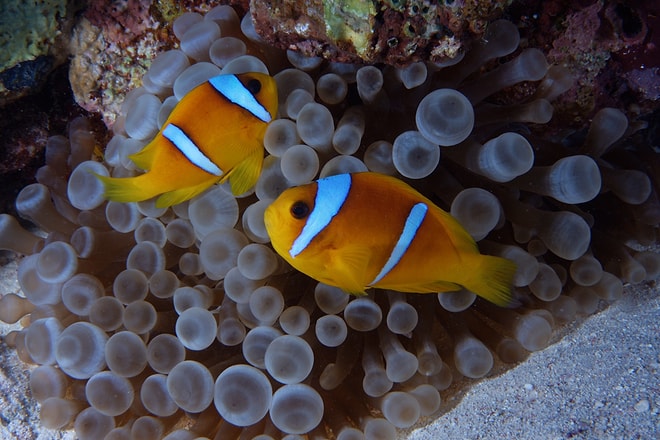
213,134
362,230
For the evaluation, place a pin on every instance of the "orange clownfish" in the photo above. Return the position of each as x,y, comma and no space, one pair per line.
213,134
362,230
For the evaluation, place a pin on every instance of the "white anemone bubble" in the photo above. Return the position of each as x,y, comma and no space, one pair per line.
342,164
331,88
225,49
330,299
196,328
257,261
57,262
167,66
445,117
219,251
193,76
242,395
244,64
289,359
294,320
400,408
141,120
280,135
190,385
266,304
477,210
299,164
253,221
40,339
504,157
472,358
456,301
378,158
363,314
331,330
296,409
79,350
197,40
84,189
302,61
155,398
109,393
413,155
316,126
256,343
238,287
213,210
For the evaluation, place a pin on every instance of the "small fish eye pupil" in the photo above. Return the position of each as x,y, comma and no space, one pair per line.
254,86
299,210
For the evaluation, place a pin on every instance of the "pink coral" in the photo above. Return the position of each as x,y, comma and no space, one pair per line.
121,20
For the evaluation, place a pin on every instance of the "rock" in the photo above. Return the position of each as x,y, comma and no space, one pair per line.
393,32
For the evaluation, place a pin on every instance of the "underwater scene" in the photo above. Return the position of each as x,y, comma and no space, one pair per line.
368,220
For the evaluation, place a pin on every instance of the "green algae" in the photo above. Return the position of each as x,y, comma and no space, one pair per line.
351,22
28,29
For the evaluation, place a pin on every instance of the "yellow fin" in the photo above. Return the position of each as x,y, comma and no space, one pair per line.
182,194
144,158
349,265
493,278
126,189
245,174
440,286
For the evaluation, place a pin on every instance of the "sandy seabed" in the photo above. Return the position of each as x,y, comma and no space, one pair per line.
601,380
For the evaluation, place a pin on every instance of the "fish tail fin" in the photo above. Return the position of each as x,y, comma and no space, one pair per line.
493,280
128,189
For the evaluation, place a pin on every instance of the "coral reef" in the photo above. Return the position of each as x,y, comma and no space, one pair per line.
611,48
393,32
33,37
172,310
26,125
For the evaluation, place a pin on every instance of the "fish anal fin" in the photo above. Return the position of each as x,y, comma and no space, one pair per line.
442,286
182,194
244,175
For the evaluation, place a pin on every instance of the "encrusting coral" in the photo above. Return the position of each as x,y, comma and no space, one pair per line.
201,331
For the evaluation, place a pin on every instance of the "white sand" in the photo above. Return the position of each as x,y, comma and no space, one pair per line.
601,381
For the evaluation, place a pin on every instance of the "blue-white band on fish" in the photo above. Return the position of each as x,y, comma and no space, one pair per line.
331,193
231,88
191,151
413,222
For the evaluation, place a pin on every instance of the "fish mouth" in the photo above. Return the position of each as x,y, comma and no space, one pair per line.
270,219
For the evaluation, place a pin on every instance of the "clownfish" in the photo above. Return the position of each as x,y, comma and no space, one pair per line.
362,230
213,134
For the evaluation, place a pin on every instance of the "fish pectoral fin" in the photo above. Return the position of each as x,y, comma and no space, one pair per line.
349,265
244,175
182,194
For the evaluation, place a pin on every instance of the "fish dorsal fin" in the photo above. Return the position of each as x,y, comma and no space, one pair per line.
244,175
182,194
349,266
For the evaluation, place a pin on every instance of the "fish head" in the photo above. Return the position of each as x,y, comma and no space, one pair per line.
286,217
263,88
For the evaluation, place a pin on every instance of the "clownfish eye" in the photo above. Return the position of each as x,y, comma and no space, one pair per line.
253,86
299,210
